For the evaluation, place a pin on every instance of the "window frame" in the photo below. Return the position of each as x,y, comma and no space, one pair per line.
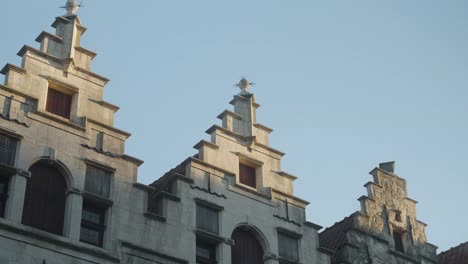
247,175
211,247
290,235
97,227
398,241
59,94
13,140
108,172
205,205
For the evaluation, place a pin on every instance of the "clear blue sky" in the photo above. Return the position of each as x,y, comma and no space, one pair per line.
345,85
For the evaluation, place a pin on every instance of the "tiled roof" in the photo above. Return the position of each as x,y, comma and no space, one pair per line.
334,237
455,255
164,182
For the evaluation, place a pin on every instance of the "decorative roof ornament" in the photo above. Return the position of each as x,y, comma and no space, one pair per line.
72,7
244,85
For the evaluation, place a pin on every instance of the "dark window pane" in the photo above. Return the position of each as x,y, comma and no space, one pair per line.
92,224
247,175
44,202
207,219
7,150
58,103
246,248
398,240
97,181
206,253
287,247
3,195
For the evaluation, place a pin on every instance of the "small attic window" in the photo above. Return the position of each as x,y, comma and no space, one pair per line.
59,103
247,175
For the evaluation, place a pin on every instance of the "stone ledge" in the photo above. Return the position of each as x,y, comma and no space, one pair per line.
10,67
152,252
43,236
45,34
154,216
203,143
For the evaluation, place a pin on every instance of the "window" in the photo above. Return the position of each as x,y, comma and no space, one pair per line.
288,247
7,150
247,248
59,103
206,252
398,241
95,203
207,219
3,195
44,202
92,224
398,216
97,181
247,175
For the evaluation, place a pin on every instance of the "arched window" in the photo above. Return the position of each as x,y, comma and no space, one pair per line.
246,249
44,203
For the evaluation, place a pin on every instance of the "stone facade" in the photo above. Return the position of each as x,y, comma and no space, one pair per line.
385,230
138,224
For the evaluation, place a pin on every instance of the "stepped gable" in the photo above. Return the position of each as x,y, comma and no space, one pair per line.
455,255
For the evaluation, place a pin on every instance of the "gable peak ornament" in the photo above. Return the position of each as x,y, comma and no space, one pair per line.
244,85
72,7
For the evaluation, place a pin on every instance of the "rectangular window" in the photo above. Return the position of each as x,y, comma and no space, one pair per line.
398,241
207,219
7,150
92,224
288,247
247,175
3,195
97,181
58,103
206,253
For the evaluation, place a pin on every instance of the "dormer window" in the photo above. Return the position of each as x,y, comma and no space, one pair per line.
247,175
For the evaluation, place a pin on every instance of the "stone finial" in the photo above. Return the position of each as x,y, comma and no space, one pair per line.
72,7
244,85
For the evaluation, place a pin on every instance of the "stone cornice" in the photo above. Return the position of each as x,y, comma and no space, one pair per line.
86,51
8,89
201,162
48,35
286,175
203,143
60,19
97,76
262,127
313,225
58,119
106,104
26,48
10,133
131,159
113,129
291,196
10,67
229,113
95,163
152,252
247,139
